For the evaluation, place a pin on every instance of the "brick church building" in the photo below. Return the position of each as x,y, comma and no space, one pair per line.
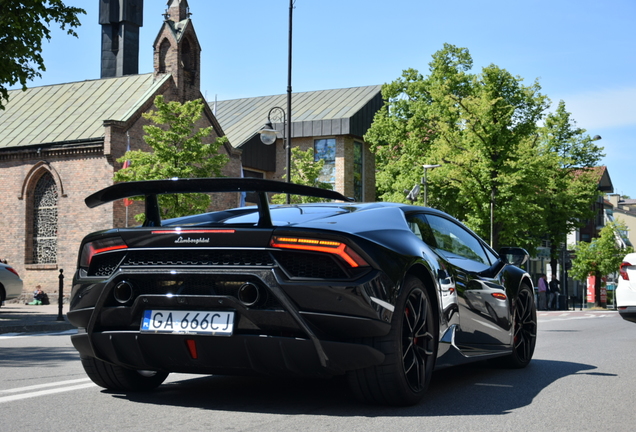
60,143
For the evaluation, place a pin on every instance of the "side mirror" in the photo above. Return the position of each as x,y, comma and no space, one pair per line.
514,255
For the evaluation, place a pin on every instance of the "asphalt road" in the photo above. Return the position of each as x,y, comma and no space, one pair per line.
581,379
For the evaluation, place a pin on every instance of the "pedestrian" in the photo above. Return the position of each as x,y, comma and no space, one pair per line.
543,291
553,293
39,297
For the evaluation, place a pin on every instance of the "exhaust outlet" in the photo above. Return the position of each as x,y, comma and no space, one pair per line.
249,294
123,292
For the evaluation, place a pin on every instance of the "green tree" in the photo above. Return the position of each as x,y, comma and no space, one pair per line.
599,258
23,25
481,127
570,186
178,151
305,171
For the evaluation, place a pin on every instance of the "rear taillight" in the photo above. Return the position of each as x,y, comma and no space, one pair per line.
623,270
499,296
100,246
12,270
319,245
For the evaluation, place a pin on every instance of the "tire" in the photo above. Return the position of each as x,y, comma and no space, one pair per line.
524,330
117,378
410,350
2,295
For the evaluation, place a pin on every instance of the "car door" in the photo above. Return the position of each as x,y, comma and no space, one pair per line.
484,315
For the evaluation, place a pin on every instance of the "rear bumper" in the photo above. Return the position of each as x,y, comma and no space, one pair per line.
278,337
238,354
628,313
12,288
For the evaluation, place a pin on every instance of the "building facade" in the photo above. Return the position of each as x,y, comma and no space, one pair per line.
624,211
332,122
60,143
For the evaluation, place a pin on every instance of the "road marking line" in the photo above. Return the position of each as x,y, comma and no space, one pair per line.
548,319
13,398
40,386
24,335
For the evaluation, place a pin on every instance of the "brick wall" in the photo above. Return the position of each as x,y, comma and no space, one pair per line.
75,173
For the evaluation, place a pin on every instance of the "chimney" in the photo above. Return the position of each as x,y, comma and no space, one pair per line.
120,21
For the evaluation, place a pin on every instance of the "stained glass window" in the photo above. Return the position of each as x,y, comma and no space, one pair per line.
45,221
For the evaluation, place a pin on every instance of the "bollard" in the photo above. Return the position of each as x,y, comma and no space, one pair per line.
60,299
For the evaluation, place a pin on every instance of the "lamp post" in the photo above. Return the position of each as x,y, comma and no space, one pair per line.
289,93
268,131
425,181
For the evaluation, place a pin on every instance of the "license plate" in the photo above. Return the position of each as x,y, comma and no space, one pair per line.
199,322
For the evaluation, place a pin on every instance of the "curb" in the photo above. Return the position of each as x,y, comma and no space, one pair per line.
37,328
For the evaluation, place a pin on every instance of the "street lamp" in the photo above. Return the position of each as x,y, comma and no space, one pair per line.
269,135
425,181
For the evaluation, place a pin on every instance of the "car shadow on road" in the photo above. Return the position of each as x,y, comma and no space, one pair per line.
42,357
476,389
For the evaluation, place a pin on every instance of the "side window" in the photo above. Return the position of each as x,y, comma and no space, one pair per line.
453,238
420,227
416,229
491,256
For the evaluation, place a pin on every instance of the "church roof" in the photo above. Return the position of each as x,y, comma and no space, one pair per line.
72,112
347,111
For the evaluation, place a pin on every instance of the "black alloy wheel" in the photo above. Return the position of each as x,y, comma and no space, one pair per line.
418,344
525,330
410,350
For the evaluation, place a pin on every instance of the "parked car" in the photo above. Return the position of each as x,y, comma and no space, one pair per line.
382,292
626,288
10,283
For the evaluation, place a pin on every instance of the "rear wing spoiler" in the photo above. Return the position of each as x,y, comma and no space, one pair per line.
151,188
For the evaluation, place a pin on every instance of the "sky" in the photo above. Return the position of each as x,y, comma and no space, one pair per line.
582,52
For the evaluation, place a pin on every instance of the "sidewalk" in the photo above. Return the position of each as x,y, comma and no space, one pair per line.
21,318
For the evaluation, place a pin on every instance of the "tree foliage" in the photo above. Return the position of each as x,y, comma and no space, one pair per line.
483,128
570,183
305,171
480,127
23,25
179,151
600,257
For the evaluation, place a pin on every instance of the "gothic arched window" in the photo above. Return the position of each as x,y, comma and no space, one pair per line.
189,61
45,198
163,53
186,56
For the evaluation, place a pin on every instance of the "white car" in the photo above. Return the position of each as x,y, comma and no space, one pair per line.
626,289
10,283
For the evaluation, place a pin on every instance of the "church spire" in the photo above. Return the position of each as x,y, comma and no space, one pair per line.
177,50
178,10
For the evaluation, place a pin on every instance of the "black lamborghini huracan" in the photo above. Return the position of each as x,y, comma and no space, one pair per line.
382,292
